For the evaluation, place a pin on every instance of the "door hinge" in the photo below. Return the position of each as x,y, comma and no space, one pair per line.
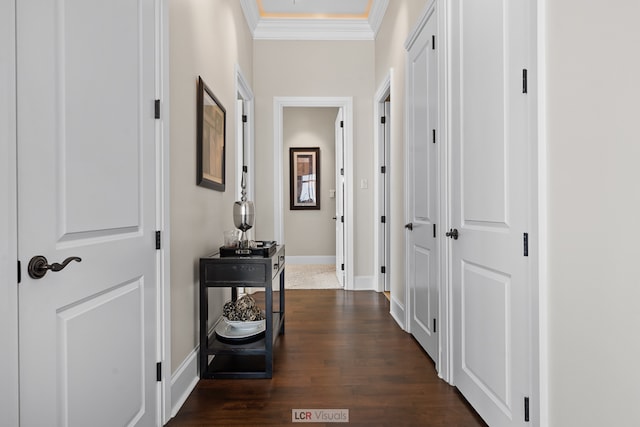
434,231
433,136
244,118
342,218
383,269
342,267
526,409
383,219
159,371
341,123
525,239
158,240
383,120
157,109
341,171
383,169
19,272
524,81
245,169
434,325
433,42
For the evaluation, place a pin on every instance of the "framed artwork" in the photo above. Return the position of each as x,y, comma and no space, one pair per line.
211,139
304,178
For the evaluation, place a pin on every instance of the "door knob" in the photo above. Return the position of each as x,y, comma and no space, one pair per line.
38,266
409,226
452,233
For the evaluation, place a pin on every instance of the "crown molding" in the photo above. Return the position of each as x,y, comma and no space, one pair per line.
251,13
313,29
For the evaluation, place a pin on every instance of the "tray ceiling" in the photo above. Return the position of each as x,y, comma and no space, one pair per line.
314,19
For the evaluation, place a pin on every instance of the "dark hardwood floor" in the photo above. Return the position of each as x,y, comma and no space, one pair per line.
341,350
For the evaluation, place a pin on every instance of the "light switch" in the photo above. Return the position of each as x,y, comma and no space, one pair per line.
364,183
332,194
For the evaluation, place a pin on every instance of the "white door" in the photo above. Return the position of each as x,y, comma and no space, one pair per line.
86,189
422,169
489,194
340,191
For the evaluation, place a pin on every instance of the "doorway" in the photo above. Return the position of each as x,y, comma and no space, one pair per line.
382,134
308,134
346,104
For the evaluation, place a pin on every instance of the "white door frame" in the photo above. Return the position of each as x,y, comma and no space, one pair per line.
9,367
383,92
440,8
346,103
245,138
244,92
163,208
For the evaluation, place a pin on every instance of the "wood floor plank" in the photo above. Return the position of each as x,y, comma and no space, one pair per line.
341,350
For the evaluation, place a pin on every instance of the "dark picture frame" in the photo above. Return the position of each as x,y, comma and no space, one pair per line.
211,139
304,178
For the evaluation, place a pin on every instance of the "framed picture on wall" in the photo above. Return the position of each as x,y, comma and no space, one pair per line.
211,139
304,178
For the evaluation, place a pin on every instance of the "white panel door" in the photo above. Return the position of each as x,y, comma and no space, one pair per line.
489,191
423,262
86,172
339,218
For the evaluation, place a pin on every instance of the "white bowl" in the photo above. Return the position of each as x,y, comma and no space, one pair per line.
244,324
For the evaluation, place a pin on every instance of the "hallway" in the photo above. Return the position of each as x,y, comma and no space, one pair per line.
341,350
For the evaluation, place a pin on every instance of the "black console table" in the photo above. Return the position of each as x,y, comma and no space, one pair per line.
250,360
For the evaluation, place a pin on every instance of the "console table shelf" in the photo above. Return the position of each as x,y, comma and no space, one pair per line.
241,360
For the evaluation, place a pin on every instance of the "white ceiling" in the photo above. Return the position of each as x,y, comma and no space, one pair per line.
314,19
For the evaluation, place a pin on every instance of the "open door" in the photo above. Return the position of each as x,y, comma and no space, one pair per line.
88,305
340,191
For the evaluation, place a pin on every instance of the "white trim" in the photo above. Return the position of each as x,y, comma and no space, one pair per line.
9,360
318,259
384,91
313,29
183,381
346,103
163,208
540,280
243,90
397,312
251,13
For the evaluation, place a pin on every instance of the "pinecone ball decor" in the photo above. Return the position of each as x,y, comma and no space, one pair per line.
244,309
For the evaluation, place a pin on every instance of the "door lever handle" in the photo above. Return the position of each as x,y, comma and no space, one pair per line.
38,265
452,233
409,226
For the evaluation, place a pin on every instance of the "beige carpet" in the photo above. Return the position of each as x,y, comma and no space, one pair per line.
310,276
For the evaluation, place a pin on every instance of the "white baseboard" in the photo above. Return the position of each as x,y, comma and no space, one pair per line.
319,259
397,312
183,381
364,283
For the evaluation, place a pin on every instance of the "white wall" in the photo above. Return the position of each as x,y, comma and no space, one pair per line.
207,38
311,232
593,145
317,69
8,220
399,20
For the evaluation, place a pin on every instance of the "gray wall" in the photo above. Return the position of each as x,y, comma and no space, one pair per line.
311,232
